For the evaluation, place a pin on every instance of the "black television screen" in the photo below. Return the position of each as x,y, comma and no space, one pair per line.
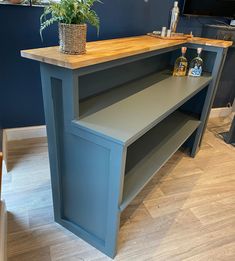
223,8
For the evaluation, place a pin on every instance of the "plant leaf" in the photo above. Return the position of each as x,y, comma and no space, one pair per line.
69,12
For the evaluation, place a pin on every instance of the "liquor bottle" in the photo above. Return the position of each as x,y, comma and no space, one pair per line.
195,68
181,64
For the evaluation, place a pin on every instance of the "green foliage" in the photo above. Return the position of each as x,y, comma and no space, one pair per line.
69,12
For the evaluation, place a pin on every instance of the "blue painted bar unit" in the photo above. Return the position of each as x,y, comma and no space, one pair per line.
112,125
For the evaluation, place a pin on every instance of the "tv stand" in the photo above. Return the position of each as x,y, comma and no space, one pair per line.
114,117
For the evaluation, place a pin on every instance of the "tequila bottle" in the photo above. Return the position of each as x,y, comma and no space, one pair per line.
181,64
195,68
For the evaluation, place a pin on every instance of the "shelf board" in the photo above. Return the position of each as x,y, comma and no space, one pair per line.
126,119
107,98
171,133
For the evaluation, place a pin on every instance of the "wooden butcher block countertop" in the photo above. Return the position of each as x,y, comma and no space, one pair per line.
108,50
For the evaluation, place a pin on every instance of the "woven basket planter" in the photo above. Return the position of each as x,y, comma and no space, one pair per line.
72,38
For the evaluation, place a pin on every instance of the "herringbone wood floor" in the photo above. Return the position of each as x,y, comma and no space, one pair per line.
187,212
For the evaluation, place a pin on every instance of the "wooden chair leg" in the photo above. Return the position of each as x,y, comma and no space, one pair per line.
0,173
5,149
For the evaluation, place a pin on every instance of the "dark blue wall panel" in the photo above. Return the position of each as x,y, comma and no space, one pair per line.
20,87
20,90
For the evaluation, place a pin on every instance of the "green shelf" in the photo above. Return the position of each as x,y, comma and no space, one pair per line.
126,113
168,136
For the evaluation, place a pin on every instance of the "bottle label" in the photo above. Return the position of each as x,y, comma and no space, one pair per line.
196,71
181,69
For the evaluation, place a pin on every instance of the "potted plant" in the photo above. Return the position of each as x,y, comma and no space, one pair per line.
72,16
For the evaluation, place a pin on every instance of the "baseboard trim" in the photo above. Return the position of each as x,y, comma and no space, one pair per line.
25,133
3,231
220,112
20,134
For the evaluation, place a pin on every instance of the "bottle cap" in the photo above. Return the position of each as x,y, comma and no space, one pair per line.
199,50
176,4
168,33
163,33
184,50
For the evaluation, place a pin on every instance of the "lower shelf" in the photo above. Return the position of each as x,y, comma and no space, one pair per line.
168,136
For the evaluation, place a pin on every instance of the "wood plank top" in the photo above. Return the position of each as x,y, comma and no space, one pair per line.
108,50
210,42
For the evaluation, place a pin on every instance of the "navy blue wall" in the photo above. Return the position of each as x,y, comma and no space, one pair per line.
20,91
20,87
